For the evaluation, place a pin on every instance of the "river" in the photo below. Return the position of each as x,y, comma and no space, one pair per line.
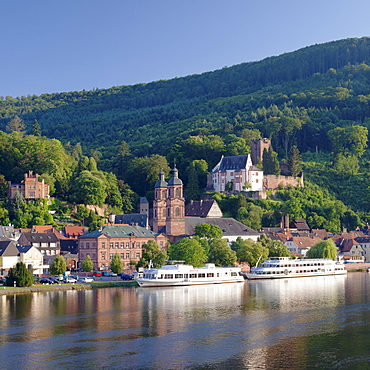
303,323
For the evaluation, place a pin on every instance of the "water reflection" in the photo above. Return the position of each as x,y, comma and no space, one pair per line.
257,324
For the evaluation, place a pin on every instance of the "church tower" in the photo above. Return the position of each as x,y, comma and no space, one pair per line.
159,205
175,206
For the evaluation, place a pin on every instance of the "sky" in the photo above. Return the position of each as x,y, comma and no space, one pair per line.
50,46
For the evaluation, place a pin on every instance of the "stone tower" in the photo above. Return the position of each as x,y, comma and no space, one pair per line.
257,147
175,206
159,205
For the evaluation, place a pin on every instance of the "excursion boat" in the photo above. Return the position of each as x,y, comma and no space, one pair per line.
176,273
283,267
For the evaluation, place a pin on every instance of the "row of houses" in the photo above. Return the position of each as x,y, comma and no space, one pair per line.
353,246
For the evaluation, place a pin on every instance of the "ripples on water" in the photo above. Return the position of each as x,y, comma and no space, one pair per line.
318,323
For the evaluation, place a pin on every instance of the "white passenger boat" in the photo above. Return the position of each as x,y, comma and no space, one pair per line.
179,274
283,267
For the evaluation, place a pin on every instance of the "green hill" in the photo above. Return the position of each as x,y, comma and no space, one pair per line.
295,99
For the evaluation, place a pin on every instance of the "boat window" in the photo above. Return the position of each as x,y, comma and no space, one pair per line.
192,276
211,274
178,276
201,275
234,274
168,276
186,276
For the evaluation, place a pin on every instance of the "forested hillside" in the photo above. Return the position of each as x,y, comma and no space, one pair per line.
316,98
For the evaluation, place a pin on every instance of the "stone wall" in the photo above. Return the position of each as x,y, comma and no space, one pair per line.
273,181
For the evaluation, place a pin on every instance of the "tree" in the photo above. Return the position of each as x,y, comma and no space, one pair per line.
250,216
270,163
20,275
142,172
190,251
220,253
16,125
208,231
276,247
116,264
89,188
349,140
87,265
324,249
58,266
152,252
249,251
294,161
289,127
129,197
36,130
192,190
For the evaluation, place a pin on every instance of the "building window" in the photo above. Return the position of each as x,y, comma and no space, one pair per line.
178,192
122,256
87,245
111,245
127,245
122,245
177,211
103,245
138,245
128,256
111,255
117,245
138,256
103,255
164,213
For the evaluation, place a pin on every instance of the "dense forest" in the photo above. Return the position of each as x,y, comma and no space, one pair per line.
315,99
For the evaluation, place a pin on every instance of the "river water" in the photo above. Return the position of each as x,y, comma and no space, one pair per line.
303,323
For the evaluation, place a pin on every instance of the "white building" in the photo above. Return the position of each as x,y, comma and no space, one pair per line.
238,170
11,254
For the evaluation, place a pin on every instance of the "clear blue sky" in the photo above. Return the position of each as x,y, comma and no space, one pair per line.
69,45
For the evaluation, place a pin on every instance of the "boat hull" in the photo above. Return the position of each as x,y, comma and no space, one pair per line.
291,276
147,283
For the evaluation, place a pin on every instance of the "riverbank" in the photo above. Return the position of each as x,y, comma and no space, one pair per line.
64,287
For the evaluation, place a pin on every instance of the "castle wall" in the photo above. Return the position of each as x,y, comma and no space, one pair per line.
273,181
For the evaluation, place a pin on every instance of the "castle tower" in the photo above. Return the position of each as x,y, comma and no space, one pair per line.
159,205
175,206
257,147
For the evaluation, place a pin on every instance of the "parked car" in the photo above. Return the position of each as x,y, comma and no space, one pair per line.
112,274
87,280
47,281
97,273
54,280
126,277
70,279
105,273
58,277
